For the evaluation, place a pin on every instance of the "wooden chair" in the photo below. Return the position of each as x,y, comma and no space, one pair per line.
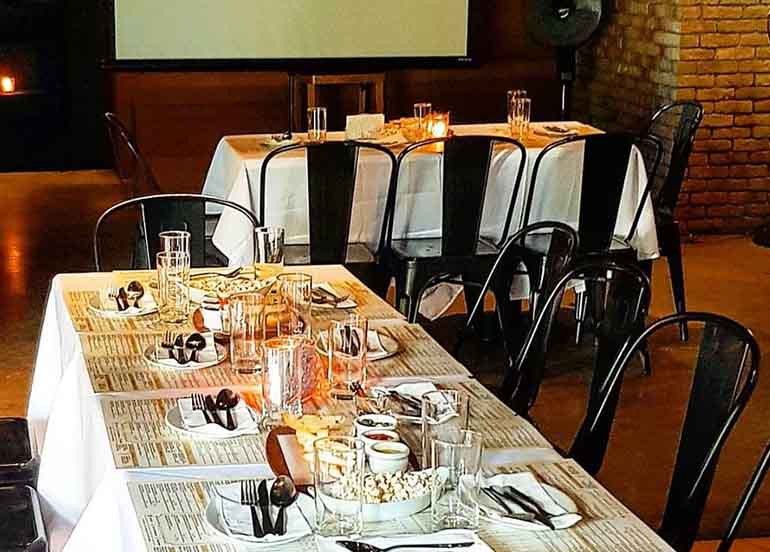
371,92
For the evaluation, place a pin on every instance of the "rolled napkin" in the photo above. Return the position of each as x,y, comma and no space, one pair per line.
441,537
208,355
526,483
365,125
246,420
108,307
348,303
236,517
413,390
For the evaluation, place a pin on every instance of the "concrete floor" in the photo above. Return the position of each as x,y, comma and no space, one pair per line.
46,229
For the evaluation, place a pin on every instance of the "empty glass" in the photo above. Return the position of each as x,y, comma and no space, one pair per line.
338,477
513,95
422,111
175,240
316,124
246,314
281,378
522,112
443,411
296,295
268,252
456,463
173,286
346,356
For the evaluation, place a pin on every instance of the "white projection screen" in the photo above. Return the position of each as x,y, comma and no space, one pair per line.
290,29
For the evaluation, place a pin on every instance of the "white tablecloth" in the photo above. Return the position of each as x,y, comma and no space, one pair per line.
237,163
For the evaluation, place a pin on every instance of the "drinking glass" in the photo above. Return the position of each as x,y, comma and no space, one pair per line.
443,411
339,474
296,296
346,353
268,252
456,463
175,240
513,95
316,124
173,286
281,378
523,112
246,314
422,111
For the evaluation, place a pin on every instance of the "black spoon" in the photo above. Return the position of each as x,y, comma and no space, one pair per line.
196,343
135,291
226,400
283,494
178,351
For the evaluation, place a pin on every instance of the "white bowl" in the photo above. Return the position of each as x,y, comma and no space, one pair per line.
393,437
388,457
375,421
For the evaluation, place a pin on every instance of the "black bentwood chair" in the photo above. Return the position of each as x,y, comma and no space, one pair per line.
465,167
724,377
133,226
126,152
674,125
618,312
331,184
540,253
606,159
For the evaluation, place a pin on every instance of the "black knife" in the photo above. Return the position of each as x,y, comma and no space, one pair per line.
528,504
258,532
264,504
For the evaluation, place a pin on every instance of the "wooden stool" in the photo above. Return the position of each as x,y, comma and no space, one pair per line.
366,82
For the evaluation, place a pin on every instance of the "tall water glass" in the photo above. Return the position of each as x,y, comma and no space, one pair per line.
512,96
316,124
456,463
346,354
281,378
523,113
339,474
173,286
296,296
175,240
268,252
246,314
422,112
443,412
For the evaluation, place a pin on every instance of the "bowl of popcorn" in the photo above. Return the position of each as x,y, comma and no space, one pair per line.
387,496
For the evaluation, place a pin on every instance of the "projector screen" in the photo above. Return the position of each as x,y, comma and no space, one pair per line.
290,29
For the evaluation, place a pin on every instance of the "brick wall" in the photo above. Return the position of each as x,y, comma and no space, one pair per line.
714,51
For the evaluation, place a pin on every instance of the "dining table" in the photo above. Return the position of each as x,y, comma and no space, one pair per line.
114,475
235,170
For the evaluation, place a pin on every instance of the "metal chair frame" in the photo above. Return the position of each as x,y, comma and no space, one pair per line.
118,131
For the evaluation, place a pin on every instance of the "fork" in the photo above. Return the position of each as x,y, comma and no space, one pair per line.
199,404
168,340
114,293
231,274
249,498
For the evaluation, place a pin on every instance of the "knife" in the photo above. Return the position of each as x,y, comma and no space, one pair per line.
528,504
509,513
264,505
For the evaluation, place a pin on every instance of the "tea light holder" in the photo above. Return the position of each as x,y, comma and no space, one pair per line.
7,85
438,125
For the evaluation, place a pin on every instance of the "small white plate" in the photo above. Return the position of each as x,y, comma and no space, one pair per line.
110,310
390,345
170,364
174,421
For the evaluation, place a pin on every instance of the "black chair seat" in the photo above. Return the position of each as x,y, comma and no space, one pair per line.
299,254
21,522
425,248
18,463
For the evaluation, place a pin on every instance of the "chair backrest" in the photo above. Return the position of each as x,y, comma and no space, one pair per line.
674,125
619,296
157,213
605,164
466,162
331,183
142,179
725,374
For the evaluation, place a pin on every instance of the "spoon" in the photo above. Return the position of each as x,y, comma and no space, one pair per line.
178,351
195,342
283,493
211,406
227,399
134,292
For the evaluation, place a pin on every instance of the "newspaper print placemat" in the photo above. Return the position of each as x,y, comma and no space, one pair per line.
140,438
87,321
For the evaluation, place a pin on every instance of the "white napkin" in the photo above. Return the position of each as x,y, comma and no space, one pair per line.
237,518
543,131
195,422
375,350
441,537
526,483
365,125
206,356
414,389
109,307
327,287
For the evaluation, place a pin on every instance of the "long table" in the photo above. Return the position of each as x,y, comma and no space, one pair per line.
114,477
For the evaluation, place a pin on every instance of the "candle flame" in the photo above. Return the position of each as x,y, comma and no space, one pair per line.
7,84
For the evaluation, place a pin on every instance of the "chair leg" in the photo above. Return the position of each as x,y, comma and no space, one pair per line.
581,302
674,256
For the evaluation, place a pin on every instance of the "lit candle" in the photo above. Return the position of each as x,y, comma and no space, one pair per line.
439,125
7,85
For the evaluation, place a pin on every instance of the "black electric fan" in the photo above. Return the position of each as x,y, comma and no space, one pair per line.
564,24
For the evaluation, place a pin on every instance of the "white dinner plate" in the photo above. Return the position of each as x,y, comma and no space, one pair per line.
170,364
212,431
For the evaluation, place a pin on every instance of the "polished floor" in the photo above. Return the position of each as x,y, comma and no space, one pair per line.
46,229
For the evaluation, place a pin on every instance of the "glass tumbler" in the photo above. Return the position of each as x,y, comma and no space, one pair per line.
456,463
268,252
523,113
422,111
443,411
246,315
512,96
346,355
296,299
281,378
316,124
173,286
338,476
175,240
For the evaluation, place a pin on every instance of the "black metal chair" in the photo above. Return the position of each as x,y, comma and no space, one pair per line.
331,169
724,377
21,520
134,225
540,252
618,313
466,162
674,125
141,178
